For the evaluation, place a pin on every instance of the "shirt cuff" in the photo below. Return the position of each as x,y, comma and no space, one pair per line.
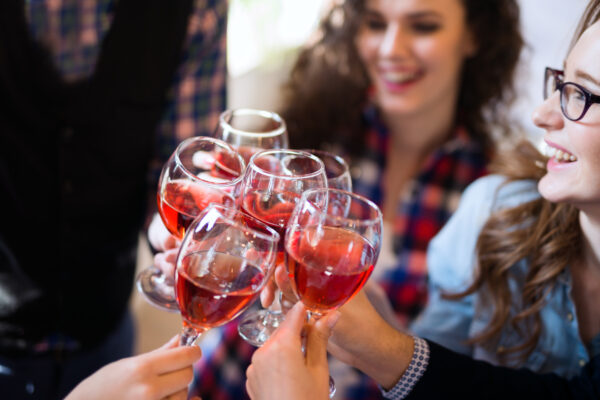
414,372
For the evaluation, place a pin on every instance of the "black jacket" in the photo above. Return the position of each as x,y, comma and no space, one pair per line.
450,375
74,161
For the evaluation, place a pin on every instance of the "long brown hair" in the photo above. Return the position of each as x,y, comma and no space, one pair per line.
327,89
546,234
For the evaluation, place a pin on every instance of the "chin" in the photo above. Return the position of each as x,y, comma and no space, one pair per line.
551,190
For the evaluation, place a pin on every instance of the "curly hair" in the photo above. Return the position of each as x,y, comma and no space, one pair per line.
327,88
547,235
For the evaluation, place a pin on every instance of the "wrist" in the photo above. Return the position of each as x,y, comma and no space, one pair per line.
389,357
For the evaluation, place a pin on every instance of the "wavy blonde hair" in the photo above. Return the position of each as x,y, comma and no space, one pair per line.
547,235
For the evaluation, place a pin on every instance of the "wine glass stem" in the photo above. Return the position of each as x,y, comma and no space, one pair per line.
188,336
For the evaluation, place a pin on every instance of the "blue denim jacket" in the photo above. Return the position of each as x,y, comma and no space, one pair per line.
451,262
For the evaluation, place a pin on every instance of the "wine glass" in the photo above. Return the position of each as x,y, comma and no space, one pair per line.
336,169
201,171
250,131
224,261
332,241
273,183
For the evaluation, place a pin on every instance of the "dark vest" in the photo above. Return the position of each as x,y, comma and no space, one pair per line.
74,162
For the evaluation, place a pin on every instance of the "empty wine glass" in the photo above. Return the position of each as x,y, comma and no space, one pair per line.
336,169
201,171
250,131
224,261
332,242
273,183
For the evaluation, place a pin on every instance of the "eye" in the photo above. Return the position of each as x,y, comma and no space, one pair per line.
425,26
374,23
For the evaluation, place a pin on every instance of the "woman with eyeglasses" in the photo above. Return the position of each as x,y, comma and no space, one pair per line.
515,276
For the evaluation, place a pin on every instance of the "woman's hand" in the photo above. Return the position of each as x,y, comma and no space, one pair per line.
279,369
164,372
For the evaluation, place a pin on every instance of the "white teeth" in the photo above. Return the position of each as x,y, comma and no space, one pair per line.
557,154
399,77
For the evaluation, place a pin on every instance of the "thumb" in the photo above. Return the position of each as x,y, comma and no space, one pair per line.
318,336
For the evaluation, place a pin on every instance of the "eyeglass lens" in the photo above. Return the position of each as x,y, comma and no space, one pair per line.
572,98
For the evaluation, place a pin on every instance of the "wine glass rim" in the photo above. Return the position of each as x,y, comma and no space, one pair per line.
334,156
377,219
251,111
218,142
272,236
321,170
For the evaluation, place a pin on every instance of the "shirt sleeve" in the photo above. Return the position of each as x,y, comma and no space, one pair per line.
414,372
197,94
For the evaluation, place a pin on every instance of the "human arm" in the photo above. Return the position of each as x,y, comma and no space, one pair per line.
385,354
166,371
280,370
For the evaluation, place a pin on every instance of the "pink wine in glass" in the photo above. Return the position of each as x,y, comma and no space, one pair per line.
329,265
212,289
274,209
226,167
181,201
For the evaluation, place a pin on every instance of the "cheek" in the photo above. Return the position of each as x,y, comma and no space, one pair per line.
367,48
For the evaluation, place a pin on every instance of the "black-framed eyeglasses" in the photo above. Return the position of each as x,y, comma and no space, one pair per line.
575,100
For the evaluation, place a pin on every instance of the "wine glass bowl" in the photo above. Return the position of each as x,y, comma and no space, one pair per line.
250,131
201,171
336,169
224,261
333,241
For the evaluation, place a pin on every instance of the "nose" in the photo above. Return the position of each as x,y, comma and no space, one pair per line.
548,115
394,42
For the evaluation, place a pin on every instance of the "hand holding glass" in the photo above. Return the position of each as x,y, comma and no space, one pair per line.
332,241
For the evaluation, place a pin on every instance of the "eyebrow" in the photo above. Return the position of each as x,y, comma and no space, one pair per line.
584,75
416,14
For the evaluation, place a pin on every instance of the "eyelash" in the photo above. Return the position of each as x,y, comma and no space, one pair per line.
425,27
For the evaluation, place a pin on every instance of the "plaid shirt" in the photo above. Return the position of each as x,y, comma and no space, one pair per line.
73,30
424,206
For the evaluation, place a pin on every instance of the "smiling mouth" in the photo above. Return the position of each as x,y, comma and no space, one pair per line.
397,77
558,155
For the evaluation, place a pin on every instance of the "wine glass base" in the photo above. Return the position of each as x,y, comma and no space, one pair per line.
257,327
332,388
153,285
